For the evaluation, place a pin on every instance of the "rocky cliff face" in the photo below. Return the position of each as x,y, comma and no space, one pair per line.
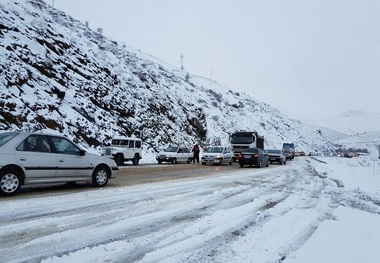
59,76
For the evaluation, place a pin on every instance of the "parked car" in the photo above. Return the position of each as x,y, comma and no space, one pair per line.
277,156
217,155
175,154
124,149
253,156
36,158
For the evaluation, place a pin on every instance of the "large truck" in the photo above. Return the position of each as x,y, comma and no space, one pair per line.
289,149
245,139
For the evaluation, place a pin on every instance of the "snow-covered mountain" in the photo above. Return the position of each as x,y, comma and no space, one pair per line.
353,122
365,140
57,75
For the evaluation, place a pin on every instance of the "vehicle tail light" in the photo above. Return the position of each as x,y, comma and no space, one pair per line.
255,155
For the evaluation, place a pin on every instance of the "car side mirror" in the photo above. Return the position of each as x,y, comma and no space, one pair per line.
82,152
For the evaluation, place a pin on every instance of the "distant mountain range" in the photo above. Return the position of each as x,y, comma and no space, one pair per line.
353,122
59,76
365,140
356,129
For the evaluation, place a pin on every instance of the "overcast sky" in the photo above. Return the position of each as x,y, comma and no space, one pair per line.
309,59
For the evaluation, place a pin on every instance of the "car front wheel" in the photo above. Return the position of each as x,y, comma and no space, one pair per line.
10,183
100,176
136,159
119,159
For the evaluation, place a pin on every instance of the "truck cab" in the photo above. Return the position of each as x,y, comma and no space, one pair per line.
242,140
289,150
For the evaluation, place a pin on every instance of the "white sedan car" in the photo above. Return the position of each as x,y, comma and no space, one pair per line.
38,158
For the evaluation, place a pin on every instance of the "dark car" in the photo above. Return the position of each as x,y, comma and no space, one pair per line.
253,156
277,156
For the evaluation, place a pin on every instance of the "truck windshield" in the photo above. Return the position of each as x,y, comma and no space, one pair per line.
242,139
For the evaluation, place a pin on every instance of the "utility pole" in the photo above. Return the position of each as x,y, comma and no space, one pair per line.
182,67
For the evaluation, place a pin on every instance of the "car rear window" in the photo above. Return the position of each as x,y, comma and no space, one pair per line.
6,137
251,150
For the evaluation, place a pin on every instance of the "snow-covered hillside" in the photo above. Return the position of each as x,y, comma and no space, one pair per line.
60,76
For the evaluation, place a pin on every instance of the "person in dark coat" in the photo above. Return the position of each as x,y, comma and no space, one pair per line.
196,153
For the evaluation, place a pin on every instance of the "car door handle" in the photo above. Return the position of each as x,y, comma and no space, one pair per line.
61,160
23,159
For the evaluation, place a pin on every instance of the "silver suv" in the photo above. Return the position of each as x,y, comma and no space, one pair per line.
124,149
37,158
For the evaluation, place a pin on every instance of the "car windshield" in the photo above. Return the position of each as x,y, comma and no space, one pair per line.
251,150
273,151
6,137
214,150
171,149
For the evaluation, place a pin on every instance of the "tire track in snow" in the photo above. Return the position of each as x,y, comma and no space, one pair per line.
187,220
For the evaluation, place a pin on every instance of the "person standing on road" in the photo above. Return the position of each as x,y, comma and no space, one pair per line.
196,153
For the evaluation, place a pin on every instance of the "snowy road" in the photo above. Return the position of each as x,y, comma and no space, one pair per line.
247,215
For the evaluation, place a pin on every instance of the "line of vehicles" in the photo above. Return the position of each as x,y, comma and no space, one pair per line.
245,147
39,158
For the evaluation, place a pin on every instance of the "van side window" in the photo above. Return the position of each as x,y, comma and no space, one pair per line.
131,144
138,144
